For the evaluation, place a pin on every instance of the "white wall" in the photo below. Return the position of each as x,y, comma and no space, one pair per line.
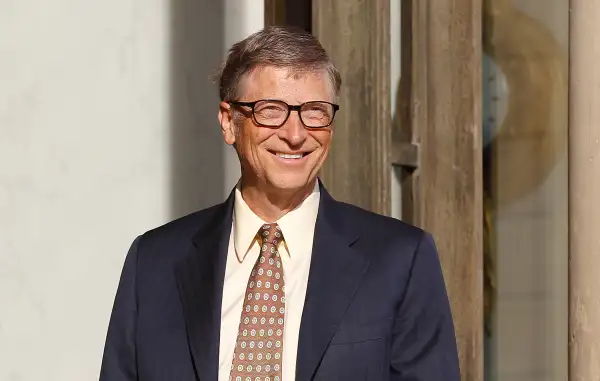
243,17
107,128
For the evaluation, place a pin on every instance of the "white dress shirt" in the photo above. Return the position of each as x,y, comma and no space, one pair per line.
298,228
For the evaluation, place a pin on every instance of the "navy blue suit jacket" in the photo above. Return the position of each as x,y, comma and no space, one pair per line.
376,306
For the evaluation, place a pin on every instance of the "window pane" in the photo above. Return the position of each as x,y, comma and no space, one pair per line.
525,187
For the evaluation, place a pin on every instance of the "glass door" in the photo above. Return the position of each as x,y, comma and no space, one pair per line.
525,169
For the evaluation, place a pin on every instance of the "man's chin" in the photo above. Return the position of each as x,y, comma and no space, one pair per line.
291,183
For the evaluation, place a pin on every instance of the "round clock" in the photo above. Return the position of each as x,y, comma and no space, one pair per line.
524,101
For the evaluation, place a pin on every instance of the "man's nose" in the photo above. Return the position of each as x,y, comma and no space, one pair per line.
293,130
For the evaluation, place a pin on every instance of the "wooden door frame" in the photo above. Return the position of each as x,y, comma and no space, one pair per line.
289,12
584,183
434,138
437,141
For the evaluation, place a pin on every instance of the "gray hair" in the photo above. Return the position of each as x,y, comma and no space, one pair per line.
276,46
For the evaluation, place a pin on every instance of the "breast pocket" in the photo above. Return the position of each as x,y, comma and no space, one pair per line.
361,332
358,352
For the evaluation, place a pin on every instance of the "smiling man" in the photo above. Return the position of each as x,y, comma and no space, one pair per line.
281,282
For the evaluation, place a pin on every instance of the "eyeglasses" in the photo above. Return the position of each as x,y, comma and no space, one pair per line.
274,113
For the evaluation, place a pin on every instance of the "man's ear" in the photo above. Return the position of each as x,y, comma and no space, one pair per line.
227,123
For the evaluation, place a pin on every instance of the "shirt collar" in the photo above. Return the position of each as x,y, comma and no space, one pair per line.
297,225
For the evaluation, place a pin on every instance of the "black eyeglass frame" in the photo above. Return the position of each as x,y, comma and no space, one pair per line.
290,108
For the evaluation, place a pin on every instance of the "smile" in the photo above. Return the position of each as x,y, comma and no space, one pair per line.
290,156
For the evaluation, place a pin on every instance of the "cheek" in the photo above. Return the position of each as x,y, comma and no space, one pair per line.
265,137
323,138
255,137
246,134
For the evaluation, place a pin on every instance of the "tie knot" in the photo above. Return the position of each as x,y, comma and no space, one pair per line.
271,233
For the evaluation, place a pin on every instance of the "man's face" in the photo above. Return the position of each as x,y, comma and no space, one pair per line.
260,149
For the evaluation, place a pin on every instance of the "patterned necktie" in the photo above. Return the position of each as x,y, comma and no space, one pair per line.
259,347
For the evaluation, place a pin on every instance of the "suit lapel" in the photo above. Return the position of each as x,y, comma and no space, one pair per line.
200,278
336,271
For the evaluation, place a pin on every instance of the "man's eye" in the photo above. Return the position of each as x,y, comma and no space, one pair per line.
314,113
270,110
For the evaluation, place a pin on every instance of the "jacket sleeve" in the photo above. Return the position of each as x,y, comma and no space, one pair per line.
423,342
119,359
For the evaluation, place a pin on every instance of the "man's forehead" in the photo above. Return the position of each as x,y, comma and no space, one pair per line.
289,73
267,79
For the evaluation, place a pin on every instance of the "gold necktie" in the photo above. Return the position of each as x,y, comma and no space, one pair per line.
259,347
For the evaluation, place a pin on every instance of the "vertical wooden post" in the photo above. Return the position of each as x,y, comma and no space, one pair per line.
289,12
438,133
584,191
441,119
356,34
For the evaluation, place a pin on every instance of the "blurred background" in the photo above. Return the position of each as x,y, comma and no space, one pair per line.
454,117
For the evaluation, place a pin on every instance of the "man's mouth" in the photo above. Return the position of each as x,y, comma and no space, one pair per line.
285,155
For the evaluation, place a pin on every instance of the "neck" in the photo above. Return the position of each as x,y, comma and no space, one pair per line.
272,204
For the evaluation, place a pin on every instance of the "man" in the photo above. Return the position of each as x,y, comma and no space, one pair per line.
281,282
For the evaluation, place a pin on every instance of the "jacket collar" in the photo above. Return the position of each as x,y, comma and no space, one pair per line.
335,273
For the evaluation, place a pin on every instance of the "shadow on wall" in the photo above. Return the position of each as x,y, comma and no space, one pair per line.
197,167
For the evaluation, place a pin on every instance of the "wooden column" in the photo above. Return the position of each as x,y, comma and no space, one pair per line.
584,191
356,34
440,121
289,12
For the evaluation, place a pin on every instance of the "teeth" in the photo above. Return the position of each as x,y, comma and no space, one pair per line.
288,156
